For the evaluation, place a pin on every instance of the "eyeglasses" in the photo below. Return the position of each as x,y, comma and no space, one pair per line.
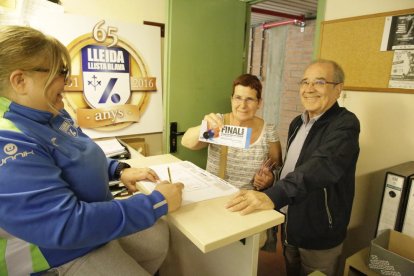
239,100
64,72
318,84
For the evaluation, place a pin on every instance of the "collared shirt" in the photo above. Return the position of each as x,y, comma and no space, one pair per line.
295,148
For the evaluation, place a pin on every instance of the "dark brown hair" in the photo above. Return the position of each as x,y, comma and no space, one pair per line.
251,81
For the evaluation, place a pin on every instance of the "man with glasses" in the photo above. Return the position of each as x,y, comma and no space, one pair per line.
317,181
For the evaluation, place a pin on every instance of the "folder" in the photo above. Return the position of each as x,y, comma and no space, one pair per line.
391,203
408,222
395,188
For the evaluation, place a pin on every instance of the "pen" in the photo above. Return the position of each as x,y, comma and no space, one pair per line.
169,174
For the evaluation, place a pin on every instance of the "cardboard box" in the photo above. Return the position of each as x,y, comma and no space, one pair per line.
392,253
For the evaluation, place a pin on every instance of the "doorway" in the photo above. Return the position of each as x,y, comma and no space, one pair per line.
281,46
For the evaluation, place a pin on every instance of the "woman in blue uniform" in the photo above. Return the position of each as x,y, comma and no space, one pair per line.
57,213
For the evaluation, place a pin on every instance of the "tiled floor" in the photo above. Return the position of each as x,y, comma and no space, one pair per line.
272,263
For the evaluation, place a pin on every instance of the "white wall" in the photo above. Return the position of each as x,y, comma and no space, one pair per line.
387,134
336,9
135,11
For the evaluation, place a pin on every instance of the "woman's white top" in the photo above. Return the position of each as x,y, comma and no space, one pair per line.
242,164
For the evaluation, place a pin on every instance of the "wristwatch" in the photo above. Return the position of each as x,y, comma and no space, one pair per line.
119,169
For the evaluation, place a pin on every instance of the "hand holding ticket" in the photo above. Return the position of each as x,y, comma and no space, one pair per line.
227,135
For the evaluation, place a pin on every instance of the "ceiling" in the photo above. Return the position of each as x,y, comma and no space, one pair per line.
274,10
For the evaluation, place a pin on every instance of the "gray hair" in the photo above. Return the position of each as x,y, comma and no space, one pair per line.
339,75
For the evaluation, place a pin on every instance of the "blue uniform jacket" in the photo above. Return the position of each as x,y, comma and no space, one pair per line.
54,187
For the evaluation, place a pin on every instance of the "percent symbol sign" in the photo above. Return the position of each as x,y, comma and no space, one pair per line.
115,97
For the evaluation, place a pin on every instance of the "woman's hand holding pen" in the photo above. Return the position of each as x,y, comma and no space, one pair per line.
130,176
173,194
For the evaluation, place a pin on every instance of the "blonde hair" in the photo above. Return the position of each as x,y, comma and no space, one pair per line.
26,48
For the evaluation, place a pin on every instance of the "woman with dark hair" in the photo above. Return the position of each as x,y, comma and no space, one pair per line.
243,165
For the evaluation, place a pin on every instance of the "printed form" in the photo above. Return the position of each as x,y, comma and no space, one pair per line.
198,184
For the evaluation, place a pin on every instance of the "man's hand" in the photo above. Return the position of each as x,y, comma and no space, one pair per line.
247,201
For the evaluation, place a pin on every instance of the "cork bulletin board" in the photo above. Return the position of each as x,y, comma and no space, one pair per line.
355,44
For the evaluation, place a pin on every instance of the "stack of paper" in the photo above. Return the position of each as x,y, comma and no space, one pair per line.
111,147
198,184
